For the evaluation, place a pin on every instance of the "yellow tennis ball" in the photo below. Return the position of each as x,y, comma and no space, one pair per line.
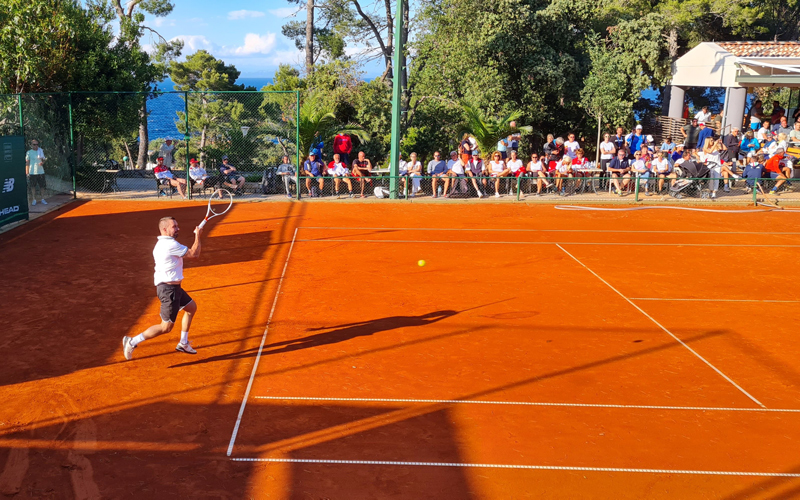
421,263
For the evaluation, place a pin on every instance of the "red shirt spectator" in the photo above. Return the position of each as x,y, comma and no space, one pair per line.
342,144
773,164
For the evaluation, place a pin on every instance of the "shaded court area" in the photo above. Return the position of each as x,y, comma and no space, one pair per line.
539,353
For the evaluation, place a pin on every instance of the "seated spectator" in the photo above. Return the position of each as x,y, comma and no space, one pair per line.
619,168
677,154
516,168
340,173
668,145
362,170
231,177
794,135
579,164
197,173
764,134
437,169
563,170
402,171
286,172
475,168
456,169
773,167
782,127
498,170
641,169
414,172
660,168
705,133
779,143
749,144
753,171
537,170
556,152
713,153
312,170
731,142
165,176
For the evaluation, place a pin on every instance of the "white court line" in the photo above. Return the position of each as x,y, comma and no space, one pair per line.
716,300
260,348
513,466
665,330
324,240
528,403
544,230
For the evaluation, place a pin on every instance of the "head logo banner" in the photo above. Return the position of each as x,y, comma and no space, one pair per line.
13,185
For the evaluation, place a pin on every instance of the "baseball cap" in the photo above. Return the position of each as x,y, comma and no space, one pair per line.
224,157
311,153
638,127
453,153
193,160
702,123
475,153
160,158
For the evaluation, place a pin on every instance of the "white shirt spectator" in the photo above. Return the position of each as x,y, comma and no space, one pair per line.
402,168
571,147
535,166
702,117
197,173
563,168
339,170
763,134
168,255
497,166
414,168
166,152
457,167
514,165
661,166
606,150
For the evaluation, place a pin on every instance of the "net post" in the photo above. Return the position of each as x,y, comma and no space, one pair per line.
636,187
519,183
72,147
755,192
297,140
187,137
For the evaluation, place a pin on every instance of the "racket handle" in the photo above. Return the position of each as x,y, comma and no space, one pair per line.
202,223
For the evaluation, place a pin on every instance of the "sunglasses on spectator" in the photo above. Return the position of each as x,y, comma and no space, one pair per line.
34,144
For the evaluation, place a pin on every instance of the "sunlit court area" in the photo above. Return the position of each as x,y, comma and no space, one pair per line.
404,351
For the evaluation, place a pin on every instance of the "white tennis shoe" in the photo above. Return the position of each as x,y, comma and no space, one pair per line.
127,347
187,348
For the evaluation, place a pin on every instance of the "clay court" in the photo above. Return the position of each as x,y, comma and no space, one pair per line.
539,354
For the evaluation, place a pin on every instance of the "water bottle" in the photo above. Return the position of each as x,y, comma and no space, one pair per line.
440,191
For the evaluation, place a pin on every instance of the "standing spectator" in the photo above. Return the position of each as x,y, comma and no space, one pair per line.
166,151
316,145
437,168
415,173
703,115
312,169
703,134
636,141
607,152
777,113
731,143
34,170
343,146
286,172
537,169
514,138
165,176
619,140
502,147
362,169
571,146
756,115
498,170
197,173
619,169
465,148
231,177
339,171
690,132
475,169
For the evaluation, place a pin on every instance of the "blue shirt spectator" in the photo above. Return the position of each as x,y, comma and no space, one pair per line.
316,145
636,140
705,133
437,166
312,167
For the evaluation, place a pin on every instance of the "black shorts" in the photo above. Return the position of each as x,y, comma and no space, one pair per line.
173,298
37,180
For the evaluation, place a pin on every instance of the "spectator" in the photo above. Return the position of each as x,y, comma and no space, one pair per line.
777,113
571,146
794,135
536,169
312,169
668,145
660,168
619,168
515,167
563,170
764,135
782,127
231,177
455,169
197,173
619,141
362,170
773,167
731,142
502,148
165,176
579,164
607,152
754,170
34,171
677,154
514,138
703,115
690,133
414,168
343,146
756,115
340,173
749,143
286,172
166,151
713,151
498,170
557,154
437,169
779,142
636,141
466,149
317,145
703,134
475,169
640,168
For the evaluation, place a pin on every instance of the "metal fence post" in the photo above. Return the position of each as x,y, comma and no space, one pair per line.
755,192
21,122
297,139
73,167
636,187
187,137
519,183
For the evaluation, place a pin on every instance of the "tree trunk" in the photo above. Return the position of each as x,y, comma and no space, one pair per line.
144,137
309,37
387,57
404,69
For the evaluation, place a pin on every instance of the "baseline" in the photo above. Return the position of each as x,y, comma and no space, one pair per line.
701,358
260,348
725,245
513,466
547,230
716,300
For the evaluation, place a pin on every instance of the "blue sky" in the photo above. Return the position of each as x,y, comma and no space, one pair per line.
244,33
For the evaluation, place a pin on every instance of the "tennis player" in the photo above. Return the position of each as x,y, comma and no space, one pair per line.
169,255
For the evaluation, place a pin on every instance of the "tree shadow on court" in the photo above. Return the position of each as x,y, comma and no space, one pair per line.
335,335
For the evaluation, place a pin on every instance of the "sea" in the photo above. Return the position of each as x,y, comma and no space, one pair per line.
164,108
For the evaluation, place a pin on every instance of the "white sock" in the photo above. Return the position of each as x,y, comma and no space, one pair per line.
137,339
184,337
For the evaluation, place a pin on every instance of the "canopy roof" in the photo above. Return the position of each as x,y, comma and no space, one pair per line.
739,64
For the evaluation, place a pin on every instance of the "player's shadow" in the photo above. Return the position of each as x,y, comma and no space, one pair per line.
334,335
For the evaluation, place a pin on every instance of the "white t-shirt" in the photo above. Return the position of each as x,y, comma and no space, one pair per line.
713,157
571,147
514,165
762,134
166,152
414,168
660,165
457,167
702,117
168,254
497,166
561,167
339,170
639,165
403,167
606,150
197,173
535,166
35,158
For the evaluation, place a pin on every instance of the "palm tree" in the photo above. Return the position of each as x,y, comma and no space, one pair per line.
488,130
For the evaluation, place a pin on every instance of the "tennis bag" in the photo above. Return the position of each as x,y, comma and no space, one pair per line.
269,181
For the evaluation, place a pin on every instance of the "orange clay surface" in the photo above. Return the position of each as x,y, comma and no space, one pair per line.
502,313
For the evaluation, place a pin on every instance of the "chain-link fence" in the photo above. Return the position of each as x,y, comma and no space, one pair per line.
108,144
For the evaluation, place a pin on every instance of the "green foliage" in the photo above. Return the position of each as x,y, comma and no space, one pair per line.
487,129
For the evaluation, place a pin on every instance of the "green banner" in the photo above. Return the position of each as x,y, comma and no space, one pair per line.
13,186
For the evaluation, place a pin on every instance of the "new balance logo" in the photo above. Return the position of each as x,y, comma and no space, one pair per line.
8,185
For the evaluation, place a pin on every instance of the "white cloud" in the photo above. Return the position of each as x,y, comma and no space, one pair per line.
284,12
193,43
244,14
256,44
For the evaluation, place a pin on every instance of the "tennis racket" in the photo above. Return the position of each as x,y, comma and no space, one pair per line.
218,203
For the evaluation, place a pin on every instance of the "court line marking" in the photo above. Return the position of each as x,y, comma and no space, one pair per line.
704,360
526,403
513,466
546,230
260,348
716,300
553,243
